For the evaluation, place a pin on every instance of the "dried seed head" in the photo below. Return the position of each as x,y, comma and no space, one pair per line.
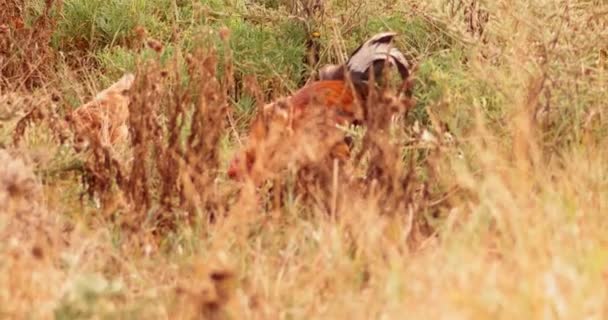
189,59
224,33
140,32
37,252
221,275
18,23
155,45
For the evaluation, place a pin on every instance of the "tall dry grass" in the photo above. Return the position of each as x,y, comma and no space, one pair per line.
490,206
26,58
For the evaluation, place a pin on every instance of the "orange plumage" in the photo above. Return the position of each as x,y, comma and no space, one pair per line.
331,94
336,97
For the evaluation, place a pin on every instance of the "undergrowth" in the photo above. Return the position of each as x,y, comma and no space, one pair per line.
479,196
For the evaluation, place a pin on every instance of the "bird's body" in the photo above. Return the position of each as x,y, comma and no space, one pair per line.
289,118
335,95
339,96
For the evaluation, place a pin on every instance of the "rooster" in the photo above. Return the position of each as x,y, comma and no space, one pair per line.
341,93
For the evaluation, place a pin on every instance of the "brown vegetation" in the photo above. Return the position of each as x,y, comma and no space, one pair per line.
486,200
26,60
104,118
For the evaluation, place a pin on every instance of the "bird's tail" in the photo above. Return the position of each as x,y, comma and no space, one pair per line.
372,55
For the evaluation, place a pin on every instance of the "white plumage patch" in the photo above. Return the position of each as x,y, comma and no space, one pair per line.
378,47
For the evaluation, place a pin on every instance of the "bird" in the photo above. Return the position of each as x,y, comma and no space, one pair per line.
341,91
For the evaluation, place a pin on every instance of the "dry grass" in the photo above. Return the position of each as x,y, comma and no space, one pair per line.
103,119
25,57
500,216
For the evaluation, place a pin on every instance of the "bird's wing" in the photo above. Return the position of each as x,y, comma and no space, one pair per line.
370,50
377,48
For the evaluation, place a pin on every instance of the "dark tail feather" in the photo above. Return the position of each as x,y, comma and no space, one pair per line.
374,54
